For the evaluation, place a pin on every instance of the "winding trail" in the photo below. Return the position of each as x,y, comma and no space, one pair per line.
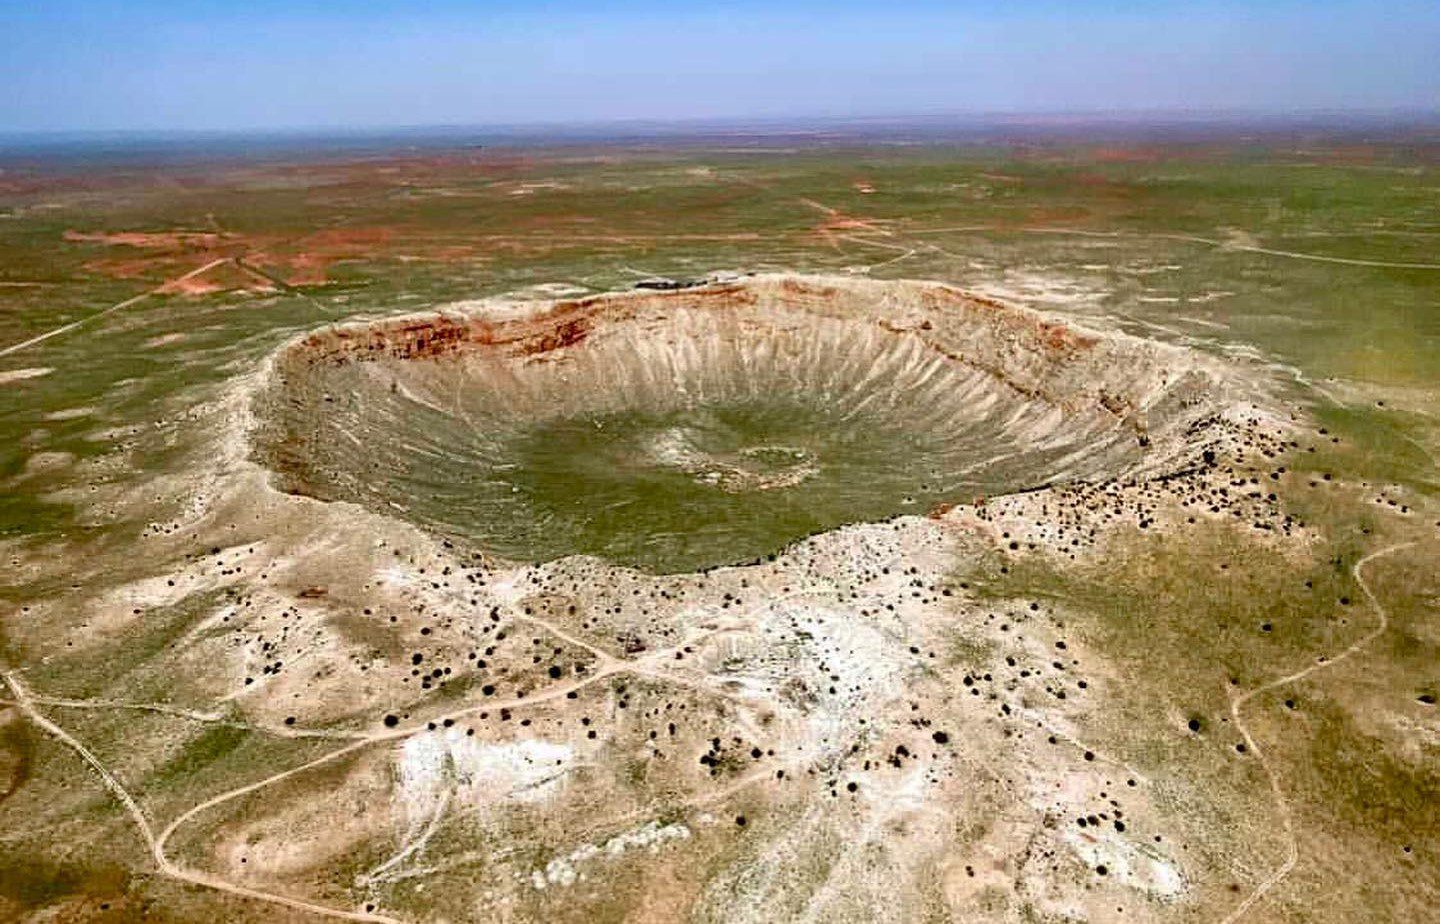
163,863
194,715
279,283
609,665
908,234
1186,238
1237,703
134,299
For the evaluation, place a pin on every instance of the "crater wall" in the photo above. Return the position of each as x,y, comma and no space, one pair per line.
684,429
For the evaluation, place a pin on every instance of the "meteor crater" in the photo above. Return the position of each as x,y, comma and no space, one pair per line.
680,430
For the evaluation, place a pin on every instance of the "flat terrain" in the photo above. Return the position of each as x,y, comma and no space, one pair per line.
283,640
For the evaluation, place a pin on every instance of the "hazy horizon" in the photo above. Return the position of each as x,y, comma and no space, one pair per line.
202,66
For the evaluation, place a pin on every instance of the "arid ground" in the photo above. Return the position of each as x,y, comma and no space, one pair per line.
1036,530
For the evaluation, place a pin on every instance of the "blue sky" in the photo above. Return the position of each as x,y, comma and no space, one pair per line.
197,64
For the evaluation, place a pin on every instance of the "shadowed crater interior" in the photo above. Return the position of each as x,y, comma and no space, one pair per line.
680,430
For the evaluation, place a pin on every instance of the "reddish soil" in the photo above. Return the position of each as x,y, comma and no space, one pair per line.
1052,334
299,261
842,222
194,285
305,261
1059,337
566,324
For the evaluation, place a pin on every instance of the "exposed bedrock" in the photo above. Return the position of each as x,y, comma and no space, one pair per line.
681,430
